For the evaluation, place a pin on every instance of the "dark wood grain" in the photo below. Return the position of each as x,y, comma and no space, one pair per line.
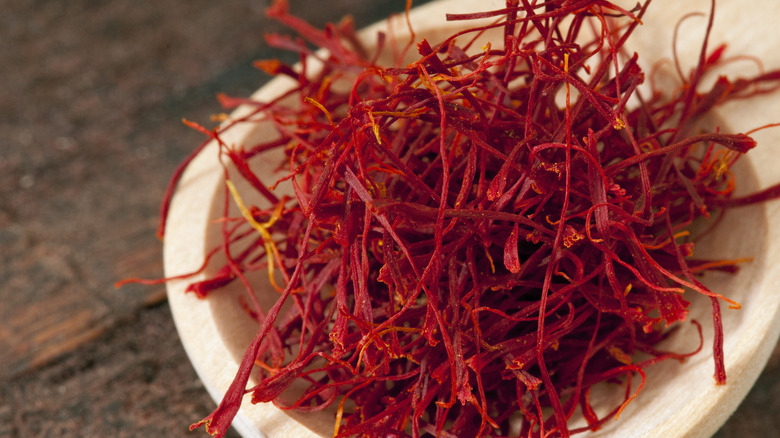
91,98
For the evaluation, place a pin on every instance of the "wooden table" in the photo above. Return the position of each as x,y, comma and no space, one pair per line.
91,98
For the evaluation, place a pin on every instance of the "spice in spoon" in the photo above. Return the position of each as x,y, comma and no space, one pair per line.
479,236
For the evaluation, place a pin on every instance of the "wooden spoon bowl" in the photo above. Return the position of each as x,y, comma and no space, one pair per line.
679,399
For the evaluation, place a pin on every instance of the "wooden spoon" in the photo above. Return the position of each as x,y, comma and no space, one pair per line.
679,400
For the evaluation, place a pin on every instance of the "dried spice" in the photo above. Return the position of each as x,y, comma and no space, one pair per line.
478,237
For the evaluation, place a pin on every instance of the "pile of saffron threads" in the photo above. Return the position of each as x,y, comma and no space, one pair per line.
480,236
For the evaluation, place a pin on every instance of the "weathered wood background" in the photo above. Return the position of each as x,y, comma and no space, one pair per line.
91,98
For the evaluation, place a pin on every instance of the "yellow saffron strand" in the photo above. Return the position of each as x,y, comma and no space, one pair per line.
668,240
720,263
270,248
374,128
321,108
